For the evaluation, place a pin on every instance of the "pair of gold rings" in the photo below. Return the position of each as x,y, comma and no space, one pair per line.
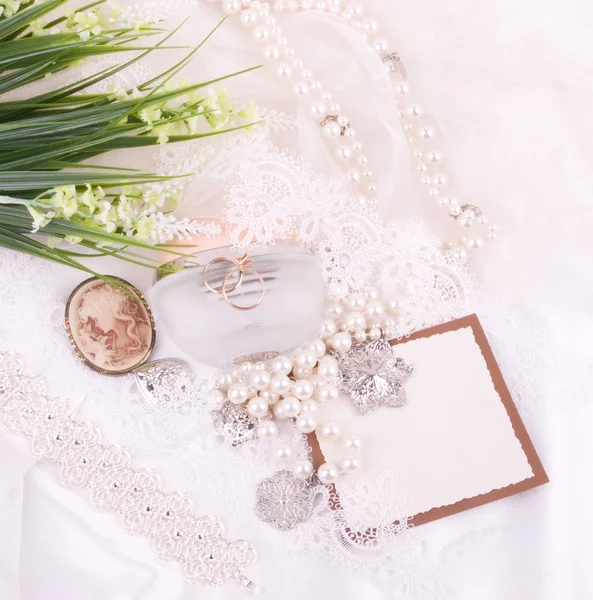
240,267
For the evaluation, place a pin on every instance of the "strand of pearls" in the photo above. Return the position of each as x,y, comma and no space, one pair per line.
420,130
294,388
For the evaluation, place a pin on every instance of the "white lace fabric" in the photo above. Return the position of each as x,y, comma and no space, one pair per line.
269,192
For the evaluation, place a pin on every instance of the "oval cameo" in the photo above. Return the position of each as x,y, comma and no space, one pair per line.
111,330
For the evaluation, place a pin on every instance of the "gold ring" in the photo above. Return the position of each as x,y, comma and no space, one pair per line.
219,260
242,266
243,270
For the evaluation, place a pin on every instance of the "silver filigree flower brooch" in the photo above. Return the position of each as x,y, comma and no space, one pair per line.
373,376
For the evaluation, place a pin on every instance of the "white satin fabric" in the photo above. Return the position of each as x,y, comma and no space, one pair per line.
511,85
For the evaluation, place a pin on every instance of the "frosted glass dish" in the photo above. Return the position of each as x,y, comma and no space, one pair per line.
207,328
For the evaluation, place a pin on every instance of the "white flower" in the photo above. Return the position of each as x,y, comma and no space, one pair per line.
39,219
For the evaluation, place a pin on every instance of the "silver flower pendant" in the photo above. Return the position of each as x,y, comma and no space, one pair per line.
235,423
373,376
284,501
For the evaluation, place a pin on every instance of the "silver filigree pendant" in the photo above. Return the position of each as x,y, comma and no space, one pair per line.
284,501
161,380
373,376
235,423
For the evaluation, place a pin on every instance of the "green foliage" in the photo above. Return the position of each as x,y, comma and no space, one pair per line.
46,184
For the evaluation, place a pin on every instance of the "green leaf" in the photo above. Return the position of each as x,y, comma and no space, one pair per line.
22,18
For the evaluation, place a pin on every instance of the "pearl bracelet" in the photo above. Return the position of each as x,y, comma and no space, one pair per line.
336,127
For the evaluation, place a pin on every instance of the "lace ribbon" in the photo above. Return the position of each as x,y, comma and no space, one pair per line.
167,519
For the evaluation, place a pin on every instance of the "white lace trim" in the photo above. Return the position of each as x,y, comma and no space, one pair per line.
136,494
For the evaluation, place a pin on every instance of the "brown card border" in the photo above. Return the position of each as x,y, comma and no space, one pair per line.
539,475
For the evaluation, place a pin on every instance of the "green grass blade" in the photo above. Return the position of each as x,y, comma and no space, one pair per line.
22,18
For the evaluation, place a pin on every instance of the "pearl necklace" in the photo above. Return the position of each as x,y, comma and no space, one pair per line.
294,388
420,130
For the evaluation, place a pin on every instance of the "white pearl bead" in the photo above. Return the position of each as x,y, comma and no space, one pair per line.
375,309
327,473
350,464
334,108
281,365
278,411
261,33
356,302
301,89
344,152
341,342
440,180
316,380
290,407
283,451
343,121
458,253
272,52
389,332
381,46
360,336
352,443
249,18
257,407
238,393
302,389
332,129
246,368
267,430
306,359
394,306
270,397
414,111
454,209
230,7
284,71
303,468
475,244
223,381
370,25
328,328
326,393
370,293
318,109
402,89
435,158
355,321
354,176
334,311
375,334
309,406
426,133
330,430
317,347
259,380
280,384
299,372
306,423
328,368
